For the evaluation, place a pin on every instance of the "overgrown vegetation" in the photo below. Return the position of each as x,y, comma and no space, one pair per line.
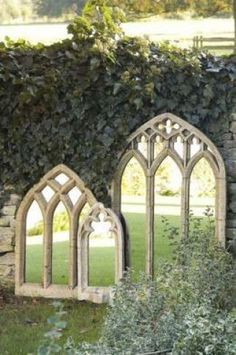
76,102
188,309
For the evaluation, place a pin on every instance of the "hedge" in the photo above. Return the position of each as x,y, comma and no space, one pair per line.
77,101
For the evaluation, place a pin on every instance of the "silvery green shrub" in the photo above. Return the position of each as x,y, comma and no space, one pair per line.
188,309
205,330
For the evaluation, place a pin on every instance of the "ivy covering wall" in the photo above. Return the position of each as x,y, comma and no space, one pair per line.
77,101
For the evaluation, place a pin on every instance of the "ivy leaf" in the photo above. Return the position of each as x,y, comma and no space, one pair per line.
94,63
138,103
117,88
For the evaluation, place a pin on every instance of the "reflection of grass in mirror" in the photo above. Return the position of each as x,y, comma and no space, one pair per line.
103,256
102,266
99,273
34,263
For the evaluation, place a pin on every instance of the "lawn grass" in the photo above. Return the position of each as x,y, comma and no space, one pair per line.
102,258
23,323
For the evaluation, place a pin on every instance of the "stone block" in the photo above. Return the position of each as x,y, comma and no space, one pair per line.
232,206
231,169
12,222
233,127
229,144
227,136
7,259
8,210
14,200
4,221
7,273
7,267
231,153
231,223
233,117
7,239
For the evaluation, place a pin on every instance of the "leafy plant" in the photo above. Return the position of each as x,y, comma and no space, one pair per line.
50,344
189,308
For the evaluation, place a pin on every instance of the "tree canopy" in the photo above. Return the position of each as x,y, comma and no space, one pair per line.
23,9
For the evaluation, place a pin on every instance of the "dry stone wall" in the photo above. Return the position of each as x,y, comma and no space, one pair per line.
229,155
223,135
7,235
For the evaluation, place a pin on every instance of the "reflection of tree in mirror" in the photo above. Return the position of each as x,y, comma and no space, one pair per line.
60,222
36,259
133,180
15,9
168,179
202,180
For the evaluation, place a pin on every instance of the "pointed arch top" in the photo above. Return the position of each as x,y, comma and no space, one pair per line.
59,190
185,144
168,126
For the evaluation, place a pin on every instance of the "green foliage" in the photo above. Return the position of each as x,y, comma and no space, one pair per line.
52,8
188,309
77,101
60,224
211,7
203,184
12,9
23,322
99,23
50,346
37,229
138,7
207,331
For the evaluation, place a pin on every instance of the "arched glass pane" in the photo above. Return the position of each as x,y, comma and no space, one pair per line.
34,244
133,207
168,180
202,192
62,178
101,254
60,246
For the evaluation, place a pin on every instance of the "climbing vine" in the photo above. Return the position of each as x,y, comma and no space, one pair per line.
77,101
